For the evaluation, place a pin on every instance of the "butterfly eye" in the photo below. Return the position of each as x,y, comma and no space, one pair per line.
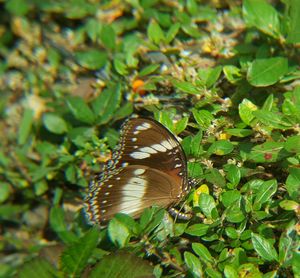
148,168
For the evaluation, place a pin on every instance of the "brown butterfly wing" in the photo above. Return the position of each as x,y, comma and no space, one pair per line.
148,168
130,190
147,142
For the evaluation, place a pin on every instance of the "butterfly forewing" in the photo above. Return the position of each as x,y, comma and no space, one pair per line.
147,142
148,168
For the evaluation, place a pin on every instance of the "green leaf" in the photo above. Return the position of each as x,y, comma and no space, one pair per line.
193,263
207,205
230,271
172,32
148,70
230,197
186,87
234,213
120,65
246,109
108,36
293,18
266,191
25,126
105,105
80,110
203,118
292,144
54,123
263,247
202,252
268,152
197,229
263,16
239,132
221,147
233,175
165,118
93,29
10,212
17,7
179,228
214,176
231,232
296,264
151,218
266,72
122,264
289,205
5,190
124,111
250,268
58,224
181,125
272,119
210,76
92,59
291,104
118,232
155,33
75,257
232,74
37,268
292,183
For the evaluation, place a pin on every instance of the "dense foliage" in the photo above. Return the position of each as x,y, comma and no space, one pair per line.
222,75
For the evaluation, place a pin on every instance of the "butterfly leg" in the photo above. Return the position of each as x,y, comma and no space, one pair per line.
180,215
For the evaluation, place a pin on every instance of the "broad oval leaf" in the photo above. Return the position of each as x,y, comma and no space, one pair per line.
194,264
118,232
80,110
266,72
197,229
202,252
54,123
92,59
263,16
264,248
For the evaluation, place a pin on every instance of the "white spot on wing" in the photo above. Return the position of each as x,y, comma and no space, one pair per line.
148,150
139,155
159,147
143,126
138,172
133,139
146,125
166,144
133,193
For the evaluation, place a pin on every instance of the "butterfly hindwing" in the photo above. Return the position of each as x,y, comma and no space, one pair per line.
130,190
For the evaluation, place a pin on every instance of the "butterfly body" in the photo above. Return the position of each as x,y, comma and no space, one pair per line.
148,168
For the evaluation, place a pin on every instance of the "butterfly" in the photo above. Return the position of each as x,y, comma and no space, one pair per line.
149,167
